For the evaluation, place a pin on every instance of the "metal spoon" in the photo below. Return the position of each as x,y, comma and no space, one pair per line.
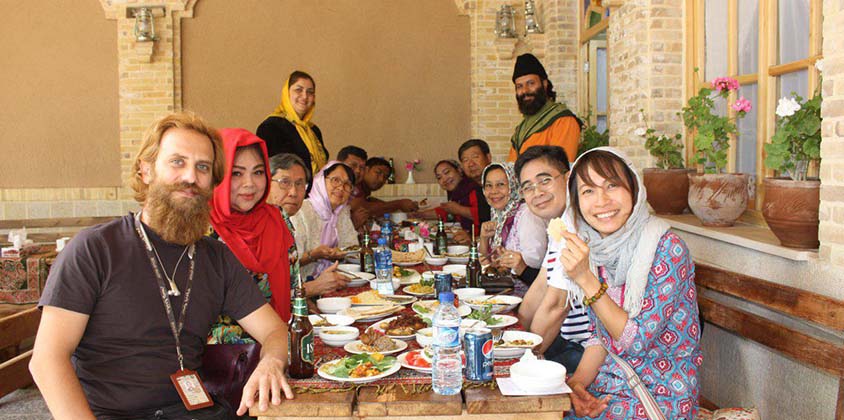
509,289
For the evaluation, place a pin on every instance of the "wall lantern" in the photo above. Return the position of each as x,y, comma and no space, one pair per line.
144,30
505,22
531,23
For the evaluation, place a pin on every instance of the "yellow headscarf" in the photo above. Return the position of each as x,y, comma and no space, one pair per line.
303,126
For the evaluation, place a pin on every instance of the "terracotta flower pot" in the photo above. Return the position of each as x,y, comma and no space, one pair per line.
668,189
718,200
791,210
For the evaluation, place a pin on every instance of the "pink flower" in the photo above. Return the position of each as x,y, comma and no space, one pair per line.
725,83
742,105
409,166
424,231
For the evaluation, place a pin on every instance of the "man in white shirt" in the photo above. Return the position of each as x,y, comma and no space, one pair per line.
542,172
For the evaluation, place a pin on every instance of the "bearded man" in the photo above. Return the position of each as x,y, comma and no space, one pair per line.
546,122
129,303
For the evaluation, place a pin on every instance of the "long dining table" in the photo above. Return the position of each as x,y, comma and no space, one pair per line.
406,394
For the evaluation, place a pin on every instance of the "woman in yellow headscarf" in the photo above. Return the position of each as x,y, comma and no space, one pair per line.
289,128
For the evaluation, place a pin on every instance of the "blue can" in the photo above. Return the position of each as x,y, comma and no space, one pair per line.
479,358
442,282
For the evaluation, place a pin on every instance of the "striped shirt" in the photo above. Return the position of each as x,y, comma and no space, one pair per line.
576,325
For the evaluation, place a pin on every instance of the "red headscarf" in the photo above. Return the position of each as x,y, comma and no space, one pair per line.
259,239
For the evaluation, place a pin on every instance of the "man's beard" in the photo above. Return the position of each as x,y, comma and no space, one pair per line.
532,107
180,220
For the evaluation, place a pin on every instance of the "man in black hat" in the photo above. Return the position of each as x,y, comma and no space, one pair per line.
546,122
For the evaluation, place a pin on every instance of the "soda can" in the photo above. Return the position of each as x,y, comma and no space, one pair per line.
479,358
442,282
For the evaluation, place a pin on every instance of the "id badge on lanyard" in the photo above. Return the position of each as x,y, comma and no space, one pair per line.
188,384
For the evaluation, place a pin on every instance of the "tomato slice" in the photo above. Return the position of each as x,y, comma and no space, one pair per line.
414,359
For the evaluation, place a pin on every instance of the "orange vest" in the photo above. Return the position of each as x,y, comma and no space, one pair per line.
564,132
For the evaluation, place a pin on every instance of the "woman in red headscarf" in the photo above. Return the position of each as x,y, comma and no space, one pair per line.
253,230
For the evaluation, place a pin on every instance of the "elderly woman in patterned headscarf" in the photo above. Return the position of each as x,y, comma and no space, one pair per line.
514,238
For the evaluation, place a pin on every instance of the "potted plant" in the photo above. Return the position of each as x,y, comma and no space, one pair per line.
668,182
591,138
792,200
716,198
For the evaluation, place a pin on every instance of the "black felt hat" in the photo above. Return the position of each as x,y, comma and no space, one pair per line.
528,64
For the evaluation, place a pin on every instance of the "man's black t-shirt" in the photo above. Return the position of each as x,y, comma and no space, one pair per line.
127,352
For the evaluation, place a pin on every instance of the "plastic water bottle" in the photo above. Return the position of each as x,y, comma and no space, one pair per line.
383,268
387,230
447,366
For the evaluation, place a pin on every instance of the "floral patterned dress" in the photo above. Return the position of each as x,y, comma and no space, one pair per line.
662,343
226,330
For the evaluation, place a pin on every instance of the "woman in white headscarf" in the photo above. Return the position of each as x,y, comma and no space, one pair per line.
637,279
514,238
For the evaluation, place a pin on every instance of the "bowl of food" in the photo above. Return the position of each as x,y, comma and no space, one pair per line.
329,320
458,254
425,337
497,304
538,375
332,305
455,269
338,336
513,344
469,292
436,260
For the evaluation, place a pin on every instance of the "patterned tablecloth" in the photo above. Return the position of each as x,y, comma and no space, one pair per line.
404,376
22,278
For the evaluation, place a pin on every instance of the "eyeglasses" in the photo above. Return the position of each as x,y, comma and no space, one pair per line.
499,186
338,182
543,184
286,183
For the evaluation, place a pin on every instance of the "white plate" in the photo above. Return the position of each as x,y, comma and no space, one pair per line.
321,372
337,320
354,347
463,310
504,321
510,303
377,327
514,352
402,358
409,263
366,318
415,277
405,289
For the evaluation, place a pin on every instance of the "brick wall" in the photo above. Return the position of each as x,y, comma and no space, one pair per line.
494,110
832,131
645,44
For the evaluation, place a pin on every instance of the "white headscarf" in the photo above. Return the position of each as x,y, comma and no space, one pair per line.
628,253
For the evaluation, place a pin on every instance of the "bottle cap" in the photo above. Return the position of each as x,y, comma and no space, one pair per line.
446,297
386,215
382,241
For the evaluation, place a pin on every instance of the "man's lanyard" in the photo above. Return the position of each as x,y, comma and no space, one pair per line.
162,286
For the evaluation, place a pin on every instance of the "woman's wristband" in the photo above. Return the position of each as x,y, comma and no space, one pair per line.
593,299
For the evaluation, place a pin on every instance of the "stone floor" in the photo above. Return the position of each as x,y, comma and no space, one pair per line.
24,404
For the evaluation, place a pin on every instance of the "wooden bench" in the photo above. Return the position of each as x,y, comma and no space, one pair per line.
17,327
48,230
806,309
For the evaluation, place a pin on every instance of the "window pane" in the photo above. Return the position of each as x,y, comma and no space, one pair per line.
746,139
748,30
716,39
797,82
602,123
793,30
601,68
